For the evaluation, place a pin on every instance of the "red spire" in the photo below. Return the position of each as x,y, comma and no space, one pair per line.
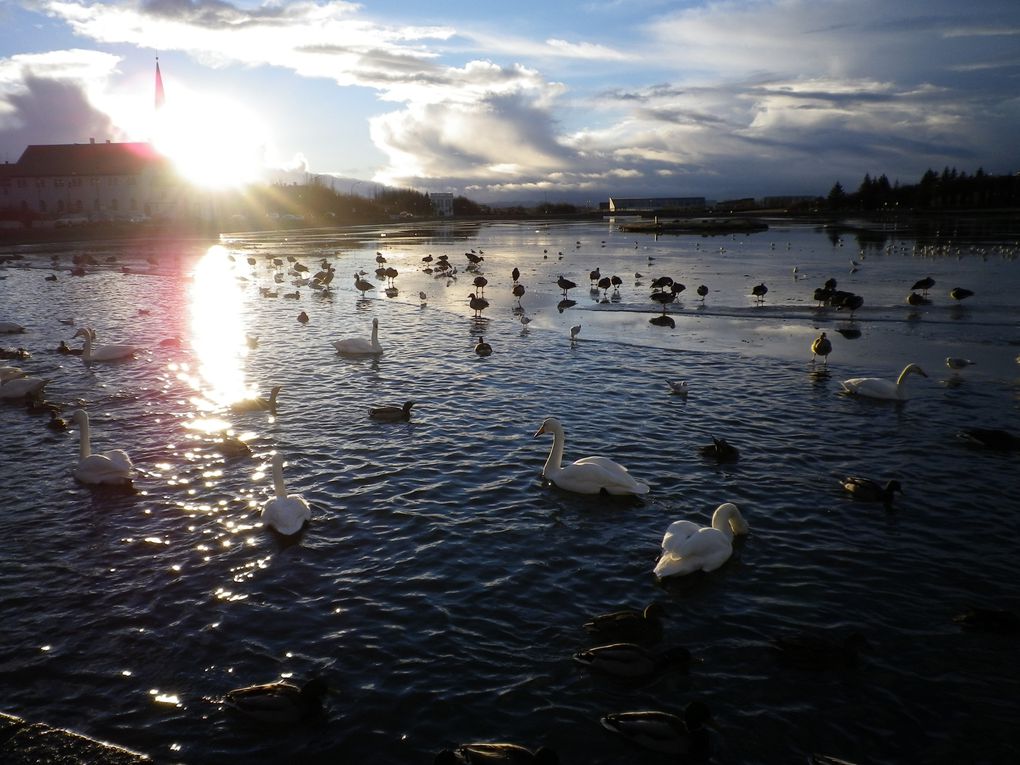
160,95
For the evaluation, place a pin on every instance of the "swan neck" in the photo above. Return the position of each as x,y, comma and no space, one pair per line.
721,521
278,485
84,442
555,457
375,335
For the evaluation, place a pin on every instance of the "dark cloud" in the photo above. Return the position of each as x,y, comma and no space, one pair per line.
50,111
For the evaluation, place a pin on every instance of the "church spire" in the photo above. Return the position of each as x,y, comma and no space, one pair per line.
160,95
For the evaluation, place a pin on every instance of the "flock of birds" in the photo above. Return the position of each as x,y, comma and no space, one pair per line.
624,637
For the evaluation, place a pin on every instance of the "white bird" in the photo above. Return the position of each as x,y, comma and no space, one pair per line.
688,547
22,386
111,467
107,352
679,387
876,387
10,373
590,475
285,513
359,346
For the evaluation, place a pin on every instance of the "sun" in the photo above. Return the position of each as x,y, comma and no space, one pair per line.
212,141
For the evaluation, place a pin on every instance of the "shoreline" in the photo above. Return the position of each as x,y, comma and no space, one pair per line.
26,743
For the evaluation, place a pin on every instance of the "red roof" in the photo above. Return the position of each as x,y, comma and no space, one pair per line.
87,159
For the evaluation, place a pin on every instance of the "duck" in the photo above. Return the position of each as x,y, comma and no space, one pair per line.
821,346
914,299
106,352
391,413
991,438
665,732
687,547
279,703
677,387
590,475
483,348
759,291
702,292
924,284
20,387
960,293
720,451
302,318
811,650
876,387
286,513
359,346
362,285
955,362
496,754
628,625
630,661
258,403
113,467
989,620
68,350
866,490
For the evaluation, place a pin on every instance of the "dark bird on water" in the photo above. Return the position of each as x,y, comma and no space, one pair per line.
279,703
759,292
482,348
628,625
478,304
630,661
565,284
924,285
361,285
991,438
960,293
702,292
496,754
664,732
867,490
391,413
518,292
915,299
515,274
720,451
302,317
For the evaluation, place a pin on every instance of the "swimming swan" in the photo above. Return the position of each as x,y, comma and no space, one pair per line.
876,387
360,346
687,547
107,352
112,467
286,514
590,475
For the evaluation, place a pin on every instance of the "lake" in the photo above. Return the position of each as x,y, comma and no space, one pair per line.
440,588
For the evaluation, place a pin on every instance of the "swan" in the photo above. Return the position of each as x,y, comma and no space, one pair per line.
111,467
258,404
359,346
505,754
285,513
590,475
22,386
876,387
279,702
687,547
665,732
10,373
107,352
628,625
631,661
10,328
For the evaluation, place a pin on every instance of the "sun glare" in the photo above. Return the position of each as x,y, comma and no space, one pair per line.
213,142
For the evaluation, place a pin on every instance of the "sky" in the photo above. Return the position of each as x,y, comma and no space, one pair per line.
528,101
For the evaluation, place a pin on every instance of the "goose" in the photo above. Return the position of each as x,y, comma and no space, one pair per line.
359,346
108,352
677,387
482,348
112,467
876,387
687,547
258,404
821,346
628,625
590,475
20,387
720,451
867,490
809,650
391,413
496,754
665,732
285,513
280,702
478,304
631,661
361,285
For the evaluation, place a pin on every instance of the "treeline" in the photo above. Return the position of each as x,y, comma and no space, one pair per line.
950,190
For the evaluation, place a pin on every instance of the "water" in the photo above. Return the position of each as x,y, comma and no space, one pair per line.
441,587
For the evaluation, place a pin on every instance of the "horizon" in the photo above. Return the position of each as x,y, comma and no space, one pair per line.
547,103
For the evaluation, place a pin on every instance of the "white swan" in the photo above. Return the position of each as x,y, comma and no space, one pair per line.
22,386
590,475
10,328
10,373
688,547
111,467
107,352
876,387
286,514
359,345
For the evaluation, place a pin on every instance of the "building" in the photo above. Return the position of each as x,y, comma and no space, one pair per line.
95,181
442,203
655,204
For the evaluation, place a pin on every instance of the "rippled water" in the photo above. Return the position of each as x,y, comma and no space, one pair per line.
440,587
